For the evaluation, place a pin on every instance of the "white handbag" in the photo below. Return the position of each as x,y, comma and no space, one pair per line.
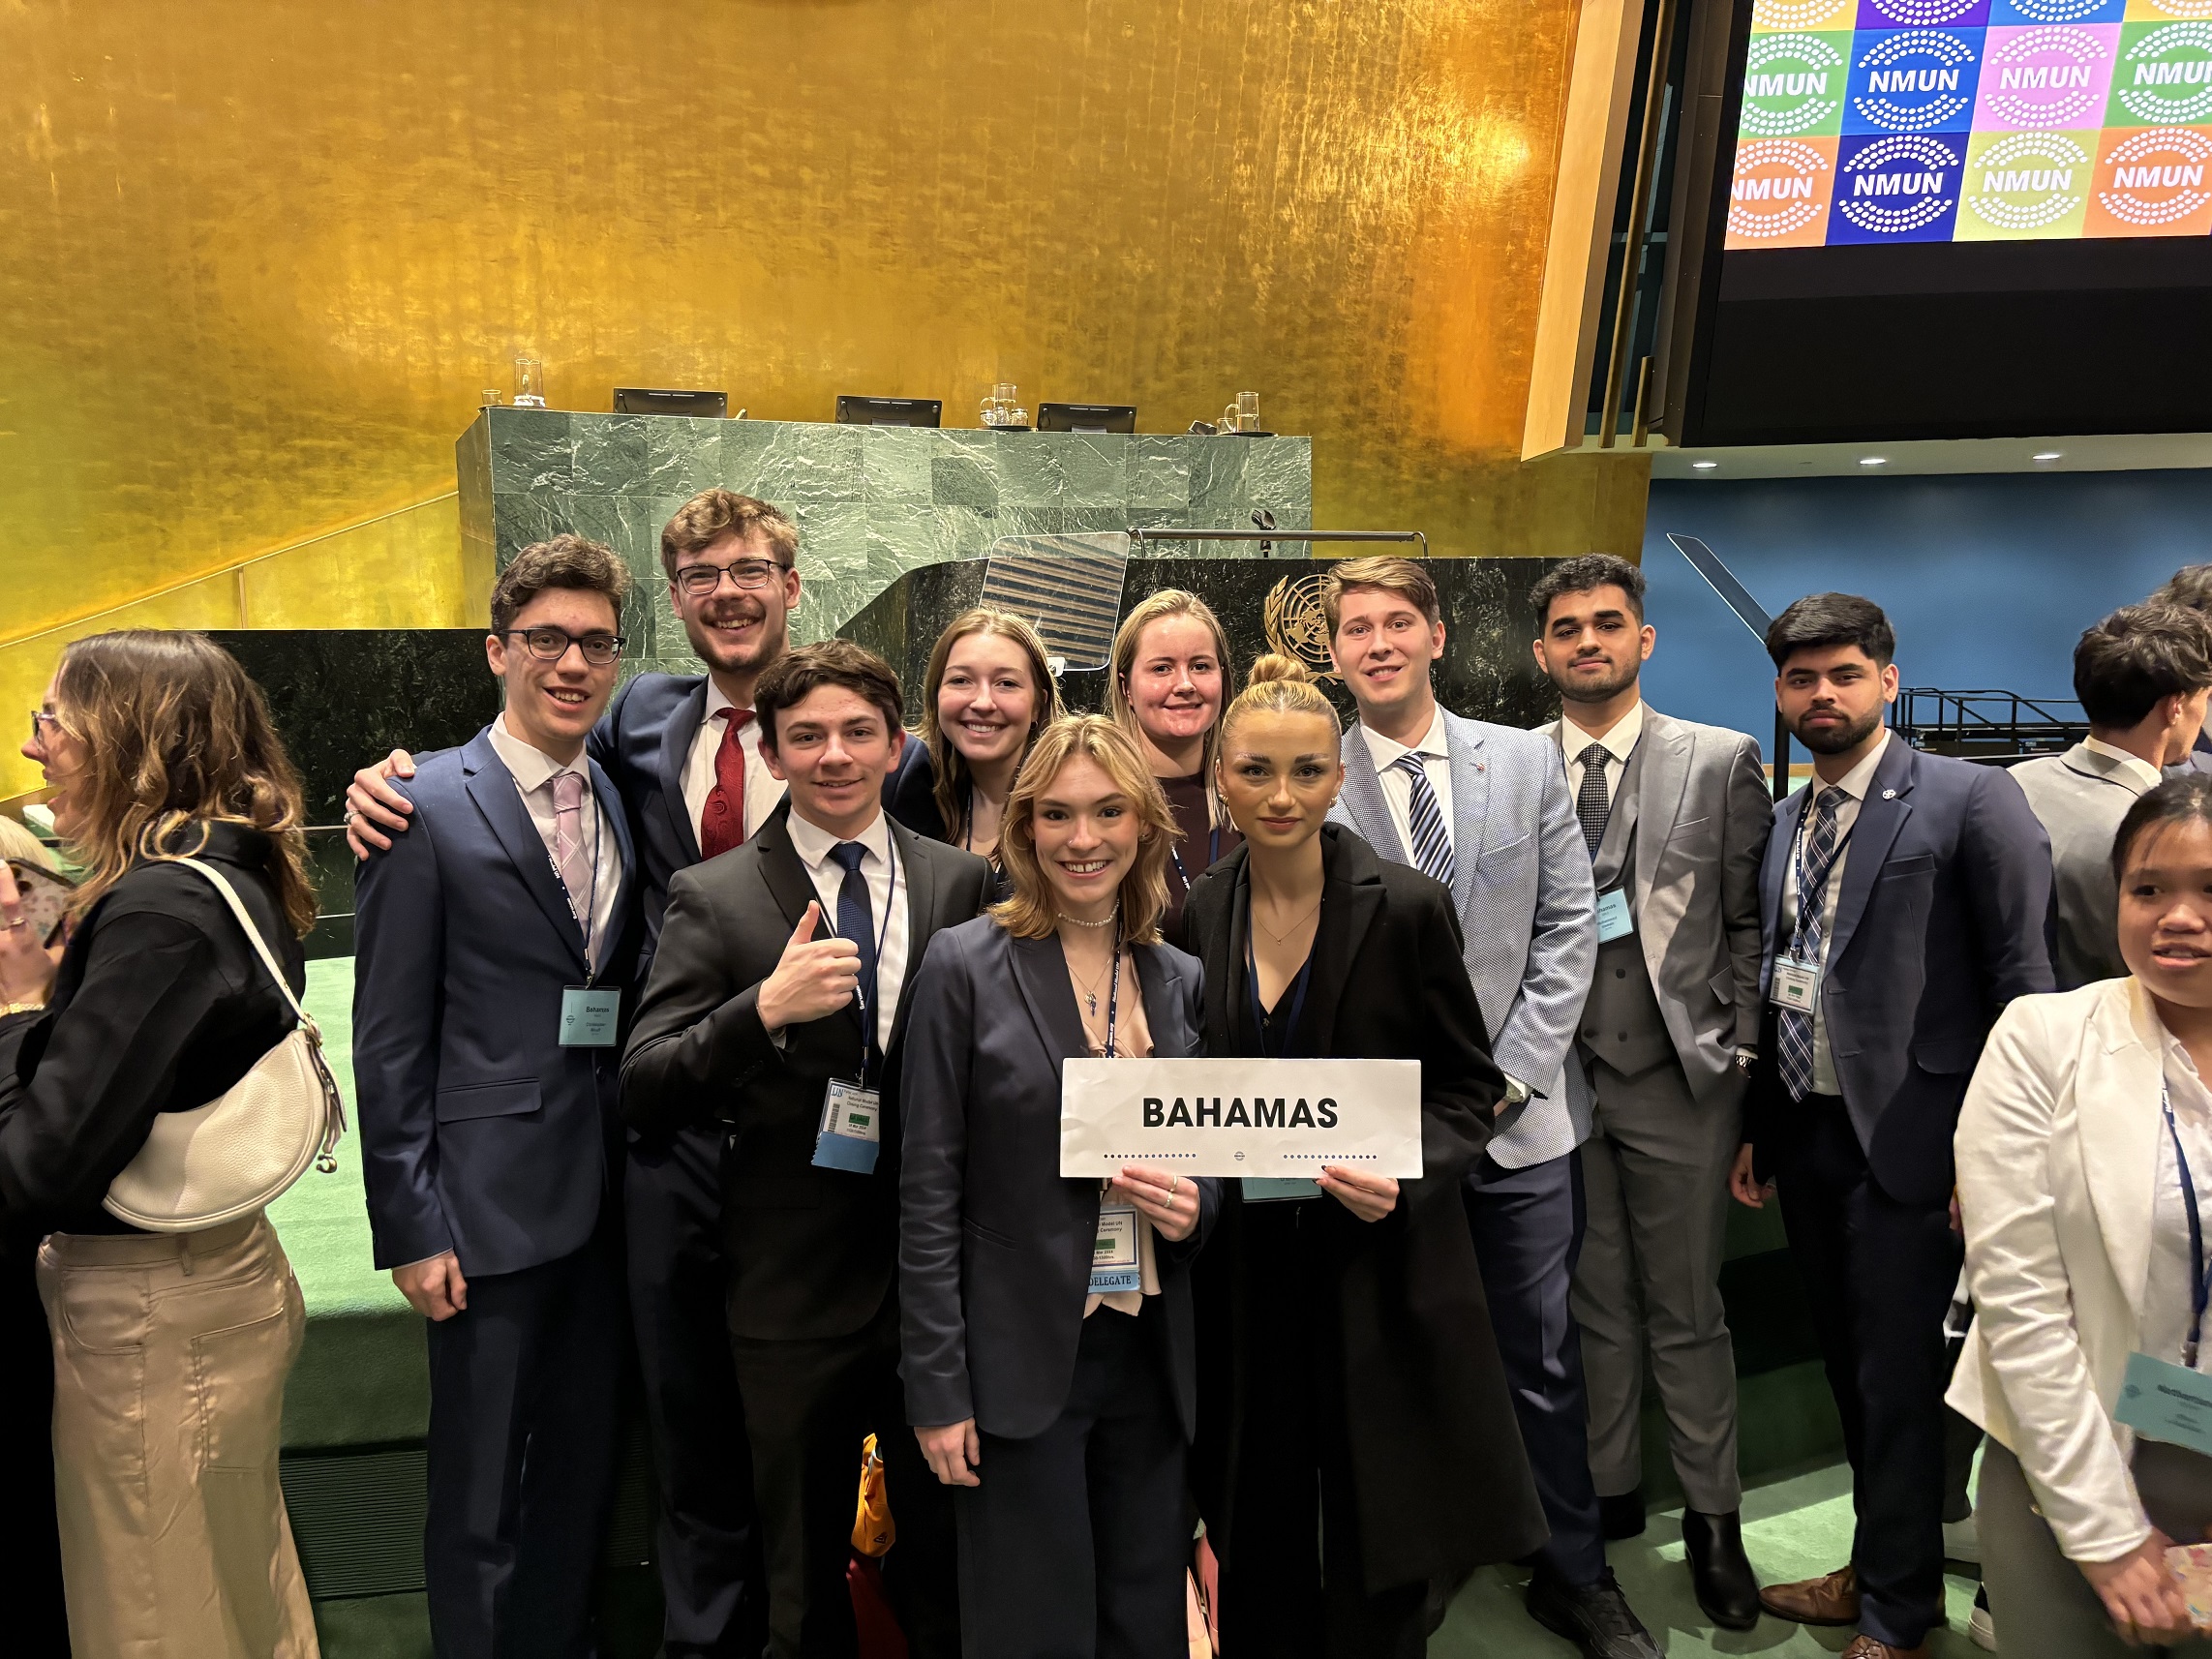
235,1154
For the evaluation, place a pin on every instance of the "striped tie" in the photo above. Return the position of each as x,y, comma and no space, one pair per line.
1432,846
1793,1026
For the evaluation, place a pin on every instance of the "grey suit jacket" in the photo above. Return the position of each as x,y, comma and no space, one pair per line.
1694,797
1526,904
2081,798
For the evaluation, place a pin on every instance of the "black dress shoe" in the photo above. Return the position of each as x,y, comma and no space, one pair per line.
1595,1618
1720,1571
1622,1517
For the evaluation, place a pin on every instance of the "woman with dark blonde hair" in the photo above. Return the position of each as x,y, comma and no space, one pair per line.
1049,1346
170,1349
988,693
1348,1373
1170,680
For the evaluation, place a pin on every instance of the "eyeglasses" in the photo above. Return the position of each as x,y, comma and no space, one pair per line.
551,645
42,722
747,576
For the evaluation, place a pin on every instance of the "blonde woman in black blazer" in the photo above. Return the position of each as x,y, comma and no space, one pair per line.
1060,1417
1346,1350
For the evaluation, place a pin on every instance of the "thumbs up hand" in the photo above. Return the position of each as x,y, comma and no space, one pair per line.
813,979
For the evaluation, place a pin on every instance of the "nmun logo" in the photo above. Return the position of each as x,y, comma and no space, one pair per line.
2029,181
1792,84
2166,78
2182,8
1915,81
1899,185
1923,14
2045,77
2065,10
2158,178
1777,191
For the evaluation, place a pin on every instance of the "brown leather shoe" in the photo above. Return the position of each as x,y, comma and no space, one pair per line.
1829,1600
1866,1648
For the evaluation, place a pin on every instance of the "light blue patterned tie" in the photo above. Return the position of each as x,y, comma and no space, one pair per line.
1793,1026
1432,845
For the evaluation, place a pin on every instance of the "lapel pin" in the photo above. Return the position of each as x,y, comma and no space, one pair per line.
1889,795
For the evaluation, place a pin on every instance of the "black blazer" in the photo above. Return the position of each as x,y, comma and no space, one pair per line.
811,1251
642,742
996,1245
1442,1483
1939,923
161,1004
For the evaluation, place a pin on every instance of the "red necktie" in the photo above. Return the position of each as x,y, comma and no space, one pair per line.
722,825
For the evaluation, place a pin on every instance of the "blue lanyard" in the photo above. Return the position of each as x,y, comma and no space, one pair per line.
1252,989
859,996
2199,1279
1213,854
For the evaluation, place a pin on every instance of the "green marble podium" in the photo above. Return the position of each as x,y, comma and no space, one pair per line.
872,503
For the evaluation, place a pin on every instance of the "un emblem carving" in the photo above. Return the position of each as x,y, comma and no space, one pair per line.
1296,624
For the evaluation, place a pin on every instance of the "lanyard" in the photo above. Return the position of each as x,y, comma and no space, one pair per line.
1796,870
591,916
1113,995
1252,989
859,996
2199,1279
1213,854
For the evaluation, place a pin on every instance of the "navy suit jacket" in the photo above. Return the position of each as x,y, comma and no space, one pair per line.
1939,923
480,1135
643,740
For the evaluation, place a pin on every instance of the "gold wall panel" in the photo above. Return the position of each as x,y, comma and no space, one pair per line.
256,259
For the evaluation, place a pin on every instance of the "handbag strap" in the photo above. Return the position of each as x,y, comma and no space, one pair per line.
260,945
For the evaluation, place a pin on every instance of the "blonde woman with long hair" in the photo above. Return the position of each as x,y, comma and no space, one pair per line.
1057,1403
1169,682
170,1350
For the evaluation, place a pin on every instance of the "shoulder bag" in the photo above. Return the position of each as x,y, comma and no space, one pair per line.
235,1154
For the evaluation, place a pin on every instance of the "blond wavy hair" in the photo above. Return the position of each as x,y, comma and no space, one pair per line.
1032,911
177,738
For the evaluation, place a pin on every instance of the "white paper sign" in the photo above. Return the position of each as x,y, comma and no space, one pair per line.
1241,1117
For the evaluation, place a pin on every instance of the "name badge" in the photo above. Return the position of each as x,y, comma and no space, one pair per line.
2163,1402
1614,920
1797,985
852,1129
590,1016
1275,1188
1115,1264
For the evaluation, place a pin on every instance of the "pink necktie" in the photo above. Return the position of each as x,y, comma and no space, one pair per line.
568,845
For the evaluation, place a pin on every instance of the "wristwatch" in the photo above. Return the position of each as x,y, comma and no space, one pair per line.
1745,1059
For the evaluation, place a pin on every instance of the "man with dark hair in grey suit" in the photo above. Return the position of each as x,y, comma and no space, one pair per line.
2142,675
1676,817
2190,587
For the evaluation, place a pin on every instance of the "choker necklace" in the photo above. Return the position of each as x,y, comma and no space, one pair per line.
1078,921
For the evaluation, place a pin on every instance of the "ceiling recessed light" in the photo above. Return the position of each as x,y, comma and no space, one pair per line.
1704,466
2050,455
1874,461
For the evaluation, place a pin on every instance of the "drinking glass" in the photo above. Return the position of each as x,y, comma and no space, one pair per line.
530,382
1248,411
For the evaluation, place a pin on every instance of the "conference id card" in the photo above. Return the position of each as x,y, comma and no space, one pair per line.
1114,1263
591,1015
852,1129
1614,920
1279,1188
1797,985
2162,1400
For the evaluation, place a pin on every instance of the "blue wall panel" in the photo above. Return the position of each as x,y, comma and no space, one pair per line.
1988,578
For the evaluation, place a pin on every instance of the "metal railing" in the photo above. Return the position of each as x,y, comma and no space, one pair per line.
1138,537
1986,724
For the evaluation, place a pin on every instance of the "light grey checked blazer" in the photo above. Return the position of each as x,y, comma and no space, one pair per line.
1526,903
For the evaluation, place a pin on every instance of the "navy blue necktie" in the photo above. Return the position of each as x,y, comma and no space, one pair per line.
855,920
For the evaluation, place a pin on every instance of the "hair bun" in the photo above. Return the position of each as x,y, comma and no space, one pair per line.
1270,666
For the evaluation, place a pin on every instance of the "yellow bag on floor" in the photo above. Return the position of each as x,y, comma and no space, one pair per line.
873,1529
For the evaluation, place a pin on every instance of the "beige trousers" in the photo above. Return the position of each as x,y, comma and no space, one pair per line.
170,1362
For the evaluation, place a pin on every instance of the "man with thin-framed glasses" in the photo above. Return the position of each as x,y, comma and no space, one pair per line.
683,753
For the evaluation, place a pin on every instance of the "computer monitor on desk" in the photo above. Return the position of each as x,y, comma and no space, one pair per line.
1086,417
888,412
650,400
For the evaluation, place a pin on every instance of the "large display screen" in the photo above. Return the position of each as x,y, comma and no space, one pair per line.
1913,121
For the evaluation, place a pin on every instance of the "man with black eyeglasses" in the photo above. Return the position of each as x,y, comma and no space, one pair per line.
493,982
683,754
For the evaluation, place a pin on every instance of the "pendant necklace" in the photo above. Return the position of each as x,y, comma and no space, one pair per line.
1091,987
1287,931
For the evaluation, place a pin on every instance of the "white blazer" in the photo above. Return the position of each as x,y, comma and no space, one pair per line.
2058,1160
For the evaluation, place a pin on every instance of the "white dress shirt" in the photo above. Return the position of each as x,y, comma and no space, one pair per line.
762,790
1855,784
2141,769
533,772
1398,789
2167,1286
1619,743
813,845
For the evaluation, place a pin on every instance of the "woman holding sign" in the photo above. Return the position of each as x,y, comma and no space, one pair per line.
1048,1328
2085,1185
1346,1359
